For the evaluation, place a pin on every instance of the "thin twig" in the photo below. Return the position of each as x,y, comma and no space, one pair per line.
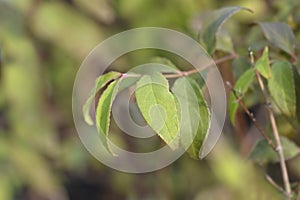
271,181
179,73
279,149
251,116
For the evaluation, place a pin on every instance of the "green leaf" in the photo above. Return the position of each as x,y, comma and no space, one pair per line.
263,65
280,35
101,82
194,115
224,41
282,87
150,68
241,88
263,152
128,81
297,91
213,24
104,109
164,61
158,107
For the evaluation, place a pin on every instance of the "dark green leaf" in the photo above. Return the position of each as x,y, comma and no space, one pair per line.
194,114
213,24
158,107
101,82
279,34
104,109
263,65
297,90
263,153
282,87
241,88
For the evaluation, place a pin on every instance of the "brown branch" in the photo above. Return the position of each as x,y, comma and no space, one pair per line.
251,116
279,149
271,181
179,73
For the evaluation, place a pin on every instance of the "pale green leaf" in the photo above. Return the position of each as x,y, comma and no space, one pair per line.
240,88
158,107
101,82
103,111
213,24
194,115
263,153
282,87
280,35
263,65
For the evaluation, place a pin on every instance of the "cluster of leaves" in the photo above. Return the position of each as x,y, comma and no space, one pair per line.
162,109
283,82
157,103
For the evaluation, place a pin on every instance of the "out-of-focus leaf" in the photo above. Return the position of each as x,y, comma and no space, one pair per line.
241,88
164,61
34,170
101,82
279,34
224,41
158,107
213,24
263,65
23,74
282,87
194,114
100,9
263,152
6,190
76,33
24,5
103,111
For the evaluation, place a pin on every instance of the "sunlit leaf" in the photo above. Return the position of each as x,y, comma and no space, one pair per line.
241,88
280,35
103,111
101,82
282,87
213,24
194,114
263,152
158,107
263,65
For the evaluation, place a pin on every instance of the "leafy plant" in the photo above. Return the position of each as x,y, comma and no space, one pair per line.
273,74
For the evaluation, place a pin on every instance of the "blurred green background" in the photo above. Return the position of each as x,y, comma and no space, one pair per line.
43,43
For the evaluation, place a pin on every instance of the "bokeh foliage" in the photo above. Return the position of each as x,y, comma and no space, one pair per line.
42,44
